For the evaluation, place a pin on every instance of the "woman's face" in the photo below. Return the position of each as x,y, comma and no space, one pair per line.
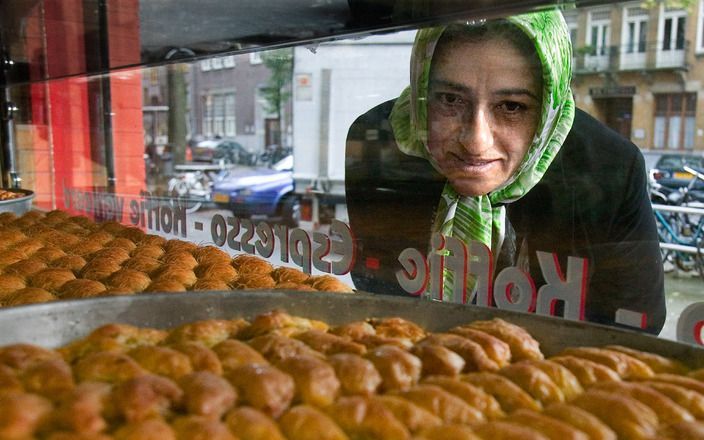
484,104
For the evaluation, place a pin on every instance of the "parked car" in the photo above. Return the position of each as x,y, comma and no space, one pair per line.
225,150
670,167
260,191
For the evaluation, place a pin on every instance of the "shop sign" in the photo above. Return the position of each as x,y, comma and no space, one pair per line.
612,92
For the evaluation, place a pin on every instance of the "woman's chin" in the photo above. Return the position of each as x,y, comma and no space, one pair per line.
472,188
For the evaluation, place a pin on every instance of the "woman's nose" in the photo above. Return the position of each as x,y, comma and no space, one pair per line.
476,133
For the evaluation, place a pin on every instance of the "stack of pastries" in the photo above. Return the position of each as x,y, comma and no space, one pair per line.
45,257
280,376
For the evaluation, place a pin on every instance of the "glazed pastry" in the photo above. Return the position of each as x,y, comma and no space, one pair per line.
116,254
251,265
153,240
208,255
81,288
626,366
149,429
683,431
82,409
247,281
328,283
471,394
412,416
29,295
123,243
682,381
200,428
509,395
561,376
113,338
659,364
263,387
289,275
10,284
667,410
447,432
179,245
495,348
363,418
356,330
505,430
534,381
278,319
206,394
356,374
207,331
207,284
9,380
251,424
175,273
399,369
233,354
328,343
25,268
49,253
695,374
182,259
448,407
522,344
51,378
22,356
202,358
163,361
628,417
74,263
437,359
550,427
129,279
165,286
145,396
294,286
142,264
21,414
396,327
222,271
107,367
316,383
586,371
582,420
99,269
275,347
304,422
690,400
474,356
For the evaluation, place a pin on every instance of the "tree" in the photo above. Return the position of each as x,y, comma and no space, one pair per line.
277,91
681,4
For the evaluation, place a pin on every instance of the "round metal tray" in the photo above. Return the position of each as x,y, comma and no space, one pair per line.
55,324
20,205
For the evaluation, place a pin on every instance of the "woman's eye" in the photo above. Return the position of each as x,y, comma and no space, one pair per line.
512,107
449,99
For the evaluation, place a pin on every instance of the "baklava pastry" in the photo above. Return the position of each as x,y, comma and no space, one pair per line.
263,387
328,344
7,217
165,286
304,422
149,429
582,420
251,265
510,396
688,399
628,417
115,254
21,414
473,354
71,435
278,320
398,368
10,236
100,237
207,255
81,411
396,327
9,256
29,295
145,397
144,264
81,288
356,374
99,269
448,407
471,394
289,275
133,234
328,283
51,279
74,263
294,286
122,243
10,284
234,354
148,251
179,259
65,241
495,348
247,281
22,356
316,383
657,363
624,365
414,417
49,253
83,221
364,418
534,381
51,378
208,331
586,371
163,361
505,430
105,366
200,428
129,279
179,246
217,271
447,432
522,344
550,427
28,246
275,347
251,424
153,240
437,359
667,410
56,215
72,228
208,284
176,273
84,248
206,394
202,358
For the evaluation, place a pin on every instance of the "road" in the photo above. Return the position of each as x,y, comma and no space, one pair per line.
681,289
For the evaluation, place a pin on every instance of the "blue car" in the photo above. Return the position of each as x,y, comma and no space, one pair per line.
260,191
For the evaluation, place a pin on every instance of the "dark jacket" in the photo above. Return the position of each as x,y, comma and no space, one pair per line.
592,203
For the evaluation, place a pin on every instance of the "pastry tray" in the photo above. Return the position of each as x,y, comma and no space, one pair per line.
57,323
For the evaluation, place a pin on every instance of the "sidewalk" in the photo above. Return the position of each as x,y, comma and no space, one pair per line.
681,289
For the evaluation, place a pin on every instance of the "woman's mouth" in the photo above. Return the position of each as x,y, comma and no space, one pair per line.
471,164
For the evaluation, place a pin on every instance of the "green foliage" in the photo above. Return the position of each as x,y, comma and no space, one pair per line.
680,4
277,91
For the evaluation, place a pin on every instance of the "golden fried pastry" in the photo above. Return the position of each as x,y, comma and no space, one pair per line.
148,251
99,269
207,284
9,380
165,286
448,407
72,228
208,331
28,246
657,363
74,263
395,327
217,270
695,374
181,259
328,343
202,358
10,284
153,240
84,248
7,217
473,354
149,429
81,288
626,366
690,400
447,432
211,254
51,279
522,344
550,427
628,417
206,394
251,424
179,245
100,237
107,367
129,279
534,381
10,256
275,347
414,417
304,422
361,417
176,273
200,428
289,275
560,376
112,337
142,264
25,268
587,372
277,320
510,396
22,356
67,242
495,348
82,409
263,387
471,394
49,253
21,414
145,397
356,374
328,283
9,236
356,330
123,243
51,378
294,286
133,234
398,368
251,265
246,281
83,221
582,420
687,382
437,359
29,295
667,410
315,379
116,254
118,291
683,431
233,354
505,430
163,361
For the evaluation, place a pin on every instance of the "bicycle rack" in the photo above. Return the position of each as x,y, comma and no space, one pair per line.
681,210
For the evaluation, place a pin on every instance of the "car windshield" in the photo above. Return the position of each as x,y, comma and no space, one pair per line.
285,164
680,161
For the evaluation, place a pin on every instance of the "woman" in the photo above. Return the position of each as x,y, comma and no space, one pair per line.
486,145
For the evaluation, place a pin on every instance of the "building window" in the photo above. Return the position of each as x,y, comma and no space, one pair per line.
700,28
228,61
207,127
230,129
634,36
216,63
675,121
205,65
598,39
219,115
256,57
671,37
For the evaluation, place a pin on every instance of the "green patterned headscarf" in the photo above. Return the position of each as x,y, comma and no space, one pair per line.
482,218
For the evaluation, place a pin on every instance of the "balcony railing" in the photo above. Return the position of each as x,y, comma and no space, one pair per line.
650,56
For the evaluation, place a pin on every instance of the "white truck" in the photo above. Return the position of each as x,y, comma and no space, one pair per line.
333,84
